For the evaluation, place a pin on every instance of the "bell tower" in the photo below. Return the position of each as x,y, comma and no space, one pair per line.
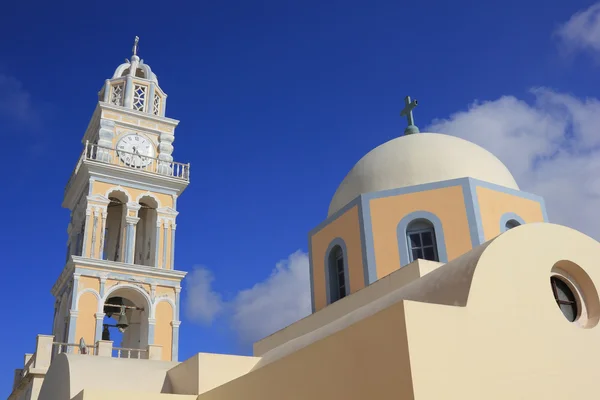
119,280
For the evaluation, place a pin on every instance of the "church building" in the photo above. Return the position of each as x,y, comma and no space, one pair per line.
433,276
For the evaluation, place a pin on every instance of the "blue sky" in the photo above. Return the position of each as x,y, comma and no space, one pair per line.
277,101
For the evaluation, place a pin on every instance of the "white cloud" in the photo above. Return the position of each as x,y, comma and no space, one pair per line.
582,30
270,305
15,101
551,146
275,303
203,304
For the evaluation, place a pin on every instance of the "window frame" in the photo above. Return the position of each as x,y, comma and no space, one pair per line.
333,271
420,231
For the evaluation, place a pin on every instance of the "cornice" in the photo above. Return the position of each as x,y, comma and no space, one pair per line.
138,114
101,171
112,266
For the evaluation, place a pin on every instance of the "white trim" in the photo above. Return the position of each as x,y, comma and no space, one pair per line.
138,114
148,194
118,286
118,188
167,211
161,299
98,198
88,290
129,268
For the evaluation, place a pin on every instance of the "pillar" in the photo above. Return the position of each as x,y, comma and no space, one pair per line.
154,352
173,227
130,238
104,348
99,326
157,242
86,228
175,347
151,329
128,95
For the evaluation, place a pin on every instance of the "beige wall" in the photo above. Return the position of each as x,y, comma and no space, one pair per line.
493,205
163,334
346,227
86,320
367,360
511,341
386,212
100,394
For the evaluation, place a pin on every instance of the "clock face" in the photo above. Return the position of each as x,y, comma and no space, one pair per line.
135,150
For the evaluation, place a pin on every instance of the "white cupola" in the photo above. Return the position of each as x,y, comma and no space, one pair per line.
135,86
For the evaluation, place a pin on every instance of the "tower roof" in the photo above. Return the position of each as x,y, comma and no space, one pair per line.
136,67
417,159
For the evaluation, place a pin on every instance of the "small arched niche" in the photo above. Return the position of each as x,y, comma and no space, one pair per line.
114,232
421,240
145,234
139,73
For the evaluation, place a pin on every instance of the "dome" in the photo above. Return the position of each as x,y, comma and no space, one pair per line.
417,159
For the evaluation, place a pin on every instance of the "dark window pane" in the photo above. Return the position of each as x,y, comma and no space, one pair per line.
569,311
415,240
429,254
340,264
427,238
417,253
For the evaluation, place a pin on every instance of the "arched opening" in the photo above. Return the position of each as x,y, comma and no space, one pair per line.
145,233
511,223
125,322
125,72
422,242
139,73
337,275
114,232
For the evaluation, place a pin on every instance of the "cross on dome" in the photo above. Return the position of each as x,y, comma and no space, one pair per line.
407,112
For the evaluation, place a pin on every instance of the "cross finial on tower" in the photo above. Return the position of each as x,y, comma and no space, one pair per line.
407,112
135,45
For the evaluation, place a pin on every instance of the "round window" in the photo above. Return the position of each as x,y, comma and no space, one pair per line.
565,298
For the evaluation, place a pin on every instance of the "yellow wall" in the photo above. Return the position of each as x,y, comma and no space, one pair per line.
163,331
494,204
446,203
346,227
86,319
88,282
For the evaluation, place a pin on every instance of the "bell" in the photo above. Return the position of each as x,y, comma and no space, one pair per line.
105,333
122,324
112,305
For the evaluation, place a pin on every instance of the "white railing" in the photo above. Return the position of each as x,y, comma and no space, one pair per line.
69,348
123,352
95,153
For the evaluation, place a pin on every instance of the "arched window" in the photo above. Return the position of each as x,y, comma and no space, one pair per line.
115,225
337,275
145,232
511,223
565,298
422,241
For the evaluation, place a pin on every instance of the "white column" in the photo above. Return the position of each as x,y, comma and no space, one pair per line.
173,227
99,326
157,244
130,238
95,215
103,233
86,229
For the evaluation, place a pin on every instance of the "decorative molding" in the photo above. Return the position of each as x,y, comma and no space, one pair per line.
175,324
98,198
148,194
92,291
138,289
168,211
118,188
132,220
